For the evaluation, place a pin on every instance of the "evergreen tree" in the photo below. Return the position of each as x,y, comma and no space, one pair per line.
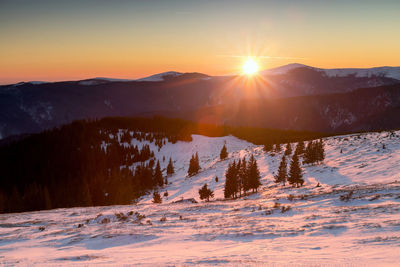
300,148
320,151
197,163
268,147
281,176
253,175
288,150
158,178
309,153
156,197
224,153
243,177
231,181
295,172
194,165
205,193
278,147
170,167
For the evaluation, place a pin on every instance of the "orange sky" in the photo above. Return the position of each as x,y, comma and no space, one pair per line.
52,40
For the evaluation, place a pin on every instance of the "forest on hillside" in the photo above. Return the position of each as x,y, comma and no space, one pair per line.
70,165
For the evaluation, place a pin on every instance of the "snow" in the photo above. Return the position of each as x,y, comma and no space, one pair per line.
321,227
283,69
160,76
389,72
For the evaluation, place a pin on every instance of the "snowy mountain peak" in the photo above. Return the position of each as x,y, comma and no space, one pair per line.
388,72
160,76
284,69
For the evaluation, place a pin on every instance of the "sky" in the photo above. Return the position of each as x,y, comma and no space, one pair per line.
76,39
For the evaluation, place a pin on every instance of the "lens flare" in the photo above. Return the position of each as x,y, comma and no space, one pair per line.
250,67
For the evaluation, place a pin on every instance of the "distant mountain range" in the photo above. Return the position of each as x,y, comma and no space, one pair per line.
294,96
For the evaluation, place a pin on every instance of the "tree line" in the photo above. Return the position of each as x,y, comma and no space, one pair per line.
69,166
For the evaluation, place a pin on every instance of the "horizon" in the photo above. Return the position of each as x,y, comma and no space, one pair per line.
58,41
185,72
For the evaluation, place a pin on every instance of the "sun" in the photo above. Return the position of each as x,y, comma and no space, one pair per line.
250,67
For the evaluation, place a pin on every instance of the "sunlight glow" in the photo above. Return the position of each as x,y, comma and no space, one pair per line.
250,67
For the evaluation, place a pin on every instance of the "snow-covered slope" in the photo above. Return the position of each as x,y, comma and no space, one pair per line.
160,76
389,72
353,218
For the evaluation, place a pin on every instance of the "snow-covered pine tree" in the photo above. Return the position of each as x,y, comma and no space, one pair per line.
281,176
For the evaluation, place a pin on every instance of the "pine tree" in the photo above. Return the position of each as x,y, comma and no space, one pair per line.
156,197
281,176
300,148
253,175
288,150
320,151
194,166
170,167
295,172
309,153
278,147
197,163
224,153
205,193
158,178
231,181
268,147
242,175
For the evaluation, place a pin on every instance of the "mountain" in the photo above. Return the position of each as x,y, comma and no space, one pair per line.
388,72
33,107
349,202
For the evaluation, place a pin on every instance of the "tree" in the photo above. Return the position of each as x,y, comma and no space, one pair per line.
281,176
170,167
295,173
299,148
243,177
314,152
216,179
320,154
253,175
205,193
277,148
288,150
309,153
268,147
231,181
194,166
156,197
224,153
158,178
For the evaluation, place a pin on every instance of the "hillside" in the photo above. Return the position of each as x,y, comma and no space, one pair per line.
33,107
351,219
